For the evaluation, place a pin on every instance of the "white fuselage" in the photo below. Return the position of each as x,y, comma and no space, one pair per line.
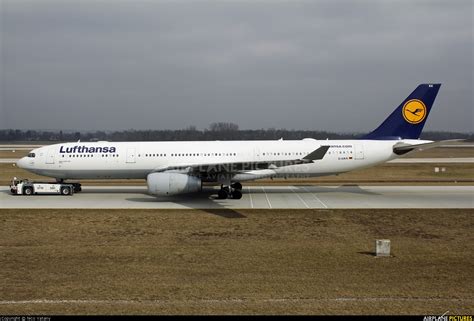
135,160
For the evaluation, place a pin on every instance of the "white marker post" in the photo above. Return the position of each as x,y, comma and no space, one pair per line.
382,247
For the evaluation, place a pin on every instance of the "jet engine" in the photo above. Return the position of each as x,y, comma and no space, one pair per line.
166,184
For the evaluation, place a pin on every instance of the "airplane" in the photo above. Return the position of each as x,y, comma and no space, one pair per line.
172,168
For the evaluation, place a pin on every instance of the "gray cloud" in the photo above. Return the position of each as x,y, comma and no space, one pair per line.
329,65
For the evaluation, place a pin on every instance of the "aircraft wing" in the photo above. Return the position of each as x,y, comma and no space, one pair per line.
233,167
403,148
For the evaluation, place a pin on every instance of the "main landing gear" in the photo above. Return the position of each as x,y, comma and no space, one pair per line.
233,191
77,186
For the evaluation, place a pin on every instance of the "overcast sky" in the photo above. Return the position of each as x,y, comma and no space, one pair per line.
322,65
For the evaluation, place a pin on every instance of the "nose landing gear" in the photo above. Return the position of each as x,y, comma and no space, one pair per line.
233,191
77,186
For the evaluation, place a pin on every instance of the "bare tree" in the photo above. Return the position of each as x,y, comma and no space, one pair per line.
223,127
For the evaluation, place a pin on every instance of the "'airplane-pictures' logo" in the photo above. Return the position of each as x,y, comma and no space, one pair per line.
414,111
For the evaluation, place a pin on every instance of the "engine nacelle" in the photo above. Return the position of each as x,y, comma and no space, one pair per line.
166,184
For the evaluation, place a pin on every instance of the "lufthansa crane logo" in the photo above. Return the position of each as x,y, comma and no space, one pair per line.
414,111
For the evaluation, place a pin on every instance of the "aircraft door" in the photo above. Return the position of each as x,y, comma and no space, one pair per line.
358,151
131,155
50,156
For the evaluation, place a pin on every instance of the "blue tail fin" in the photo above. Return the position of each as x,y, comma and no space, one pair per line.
407,121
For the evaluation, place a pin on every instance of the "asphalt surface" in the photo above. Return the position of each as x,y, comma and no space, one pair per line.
346,196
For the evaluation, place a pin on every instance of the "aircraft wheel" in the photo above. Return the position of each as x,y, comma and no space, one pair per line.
222,194
237,185
77,187
237,194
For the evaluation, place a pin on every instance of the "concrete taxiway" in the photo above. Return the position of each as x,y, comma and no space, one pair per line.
262,197
8,160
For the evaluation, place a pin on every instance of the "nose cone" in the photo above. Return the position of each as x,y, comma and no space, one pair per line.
21,163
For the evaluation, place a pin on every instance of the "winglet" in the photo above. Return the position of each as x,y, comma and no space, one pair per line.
317,154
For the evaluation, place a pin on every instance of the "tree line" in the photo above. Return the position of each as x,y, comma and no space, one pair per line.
215,131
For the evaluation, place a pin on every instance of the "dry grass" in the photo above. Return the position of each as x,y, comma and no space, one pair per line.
250,261
393,173
10,154
444,152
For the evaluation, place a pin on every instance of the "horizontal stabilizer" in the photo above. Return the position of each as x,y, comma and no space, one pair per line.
403,148
317,154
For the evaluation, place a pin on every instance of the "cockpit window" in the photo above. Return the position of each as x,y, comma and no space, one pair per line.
31,155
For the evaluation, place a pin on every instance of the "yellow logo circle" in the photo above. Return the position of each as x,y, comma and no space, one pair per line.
414,111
